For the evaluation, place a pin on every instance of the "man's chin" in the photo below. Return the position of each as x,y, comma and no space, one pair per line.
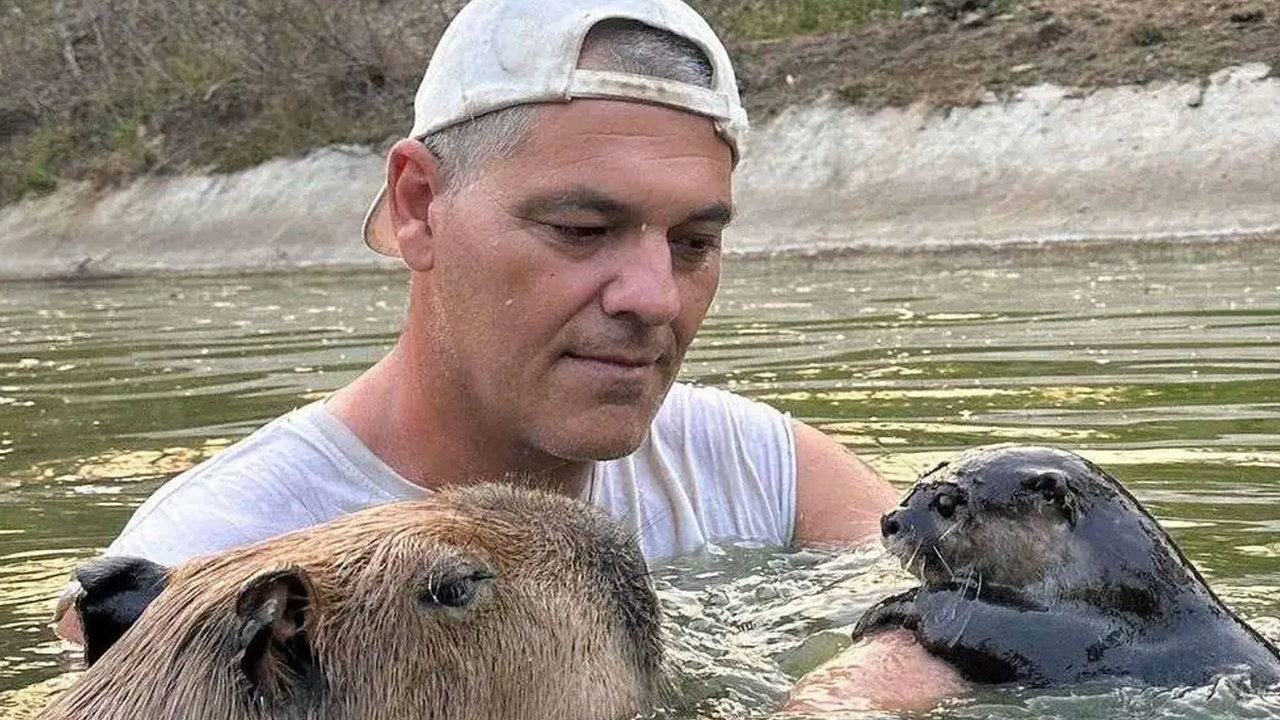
587,426
598,449
607,439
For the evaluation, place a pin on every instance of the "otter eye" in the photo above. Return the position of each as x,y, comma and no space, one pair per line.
945,504
456,591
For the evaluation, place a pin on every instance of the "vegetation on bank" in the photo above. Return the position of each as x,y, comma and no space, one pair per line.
110,89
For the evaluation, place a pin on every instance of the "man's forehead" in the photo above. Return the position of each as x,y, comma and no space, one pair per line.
594,126
617,157
580,198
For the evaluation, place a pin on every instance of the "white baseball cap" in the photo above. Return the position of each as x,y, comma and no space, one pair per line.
501,53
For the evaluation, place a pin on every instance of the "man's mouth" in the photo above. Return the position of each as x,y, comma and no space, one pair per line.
633,361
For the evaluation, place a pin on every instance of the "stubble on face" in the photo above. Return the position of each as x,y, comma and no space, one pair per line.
571,278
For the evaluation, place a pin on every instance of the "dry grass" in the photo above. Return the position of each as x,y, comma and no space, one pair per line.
111,89
1074,43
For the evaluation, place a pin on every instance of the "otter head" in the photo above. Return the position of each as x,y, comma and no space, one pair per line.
999,514
484,602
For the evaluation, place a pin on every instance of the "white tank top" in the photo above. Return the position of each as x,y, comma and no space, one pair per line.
715,468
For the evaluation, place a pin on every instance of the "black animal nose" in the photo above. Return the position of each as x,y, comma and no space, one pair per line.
889,524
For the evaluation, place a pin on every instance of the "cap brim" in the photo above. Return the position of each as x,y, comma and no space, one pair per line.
378,232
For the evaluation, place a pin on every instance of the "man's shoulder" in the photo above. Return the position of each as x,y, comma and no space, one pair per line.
282,477
689,407
716,467
721,431
266,458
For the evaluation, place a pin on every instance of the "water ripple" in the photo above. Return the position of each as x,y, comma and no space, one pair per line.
1158,362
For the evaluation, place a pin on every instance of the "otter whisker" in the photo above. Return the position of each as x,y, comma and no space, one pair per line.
949,530
963,626
912,557
943,560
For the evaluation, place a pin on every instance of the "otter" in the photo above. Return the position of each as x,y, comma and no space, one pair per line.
479,602
1038,568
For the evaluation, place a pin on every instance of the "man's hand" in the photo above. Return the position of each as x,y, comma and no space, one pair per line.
888,671
839,498
66,619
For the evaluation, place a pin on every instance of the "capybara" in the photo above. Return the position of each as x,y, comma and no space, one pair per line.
480,602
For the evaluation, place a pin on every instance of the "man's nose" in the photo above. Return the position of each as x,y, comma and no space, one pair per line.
889,523
644,282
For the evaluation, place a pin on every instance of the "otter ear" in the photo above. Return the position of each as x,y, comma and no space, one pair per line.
1054,487
113,593
276,611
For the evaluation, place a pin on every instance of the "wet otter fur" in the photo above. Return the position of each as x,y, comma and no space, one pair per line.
485,602
1038,568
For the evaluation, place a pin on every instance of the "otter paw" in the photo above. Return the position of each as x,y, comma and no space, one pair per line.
893,612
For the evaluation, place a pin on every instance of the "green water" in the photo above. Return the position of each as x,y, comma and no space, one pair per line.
1160,362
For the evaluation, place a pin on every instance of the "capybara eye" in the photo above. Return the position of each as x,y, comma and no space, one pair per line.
458,591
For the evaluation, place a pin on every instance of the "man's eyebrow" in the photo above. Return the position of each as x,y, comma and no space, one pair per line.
719,213
573,199
577,199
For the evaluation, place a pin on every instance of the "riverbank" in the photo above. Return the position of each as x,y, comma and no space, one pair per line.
1011,122
1166,161
108,92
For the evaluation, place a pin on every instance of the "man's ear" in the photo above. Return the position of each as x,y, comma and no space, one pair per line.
413,183
113,593
275,615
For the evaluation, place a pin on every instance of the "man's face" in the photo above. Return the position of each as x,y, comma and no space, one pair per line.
569,280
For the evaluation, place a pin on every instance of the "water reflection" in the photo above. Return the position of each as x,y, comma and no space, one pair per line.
1160,362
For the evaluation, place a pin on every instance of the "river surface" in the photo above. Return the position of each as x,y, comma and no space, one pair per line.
1161,362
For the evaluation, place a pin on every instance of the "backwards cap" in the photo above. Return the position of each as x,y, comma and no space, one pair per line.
501,53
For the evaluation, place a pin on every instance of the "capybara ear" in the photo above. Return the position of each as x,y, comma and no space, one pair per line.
1054,487
113,593
276,612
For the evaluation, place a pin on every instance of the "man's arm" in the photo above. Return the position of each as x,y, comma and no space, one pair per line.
67,623
889,671
839,498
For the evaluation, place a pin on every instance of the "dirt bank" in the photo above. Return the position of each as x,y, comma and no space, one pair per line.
108,90
1163,161
933,129
963,58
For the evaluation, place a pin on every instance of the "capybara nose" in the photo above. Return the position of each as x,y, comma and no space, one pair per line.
889,524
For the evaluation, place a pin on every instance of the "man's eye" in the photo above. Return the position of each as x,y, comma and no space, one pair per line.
697,246
579,232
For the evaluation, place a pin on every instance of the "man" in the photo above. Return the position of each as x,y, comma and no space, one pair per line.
559,203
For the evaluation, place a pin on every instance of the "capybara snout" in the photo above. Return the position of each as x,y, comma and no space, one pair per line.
483,602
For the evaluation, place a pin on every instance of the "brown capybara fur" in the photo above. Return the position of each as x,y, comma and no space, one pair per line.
480,603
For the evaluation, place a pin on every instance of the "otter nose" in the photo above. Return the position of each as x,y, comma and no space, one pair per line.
889,524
